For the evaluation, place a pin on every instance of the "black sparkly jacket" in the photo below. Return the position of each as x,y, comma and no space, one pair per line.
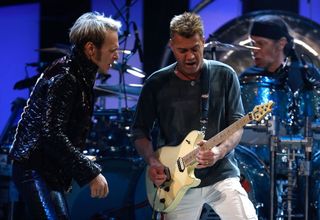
55,122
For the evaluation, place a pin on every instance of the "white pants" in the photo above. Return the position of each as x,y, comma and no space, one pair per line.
227,198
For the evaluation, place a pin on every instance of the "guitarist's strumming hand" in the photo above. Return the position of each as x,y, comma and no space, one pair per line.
156,173
207,158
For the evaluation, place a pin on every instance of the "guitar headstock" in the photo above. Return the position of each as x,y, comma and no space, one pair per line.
260,111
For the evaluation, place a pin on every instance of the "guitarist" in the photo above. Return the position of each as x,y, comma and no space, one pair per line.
171,100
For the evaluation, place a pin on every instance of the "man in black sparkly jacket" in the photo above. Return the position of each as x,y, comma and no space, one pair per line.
47,149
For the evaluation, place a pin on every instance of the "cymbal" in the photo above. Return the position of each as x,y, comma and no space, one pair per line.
129,69
115,91
227,47
119,89
54,50
27,82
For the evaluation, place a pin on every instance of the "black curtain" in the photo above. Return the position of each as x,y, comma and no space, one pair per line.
284,5
157,17
57,17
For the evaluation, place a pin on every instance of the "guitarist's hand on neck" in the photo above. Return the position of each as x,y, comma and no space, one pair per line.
208,155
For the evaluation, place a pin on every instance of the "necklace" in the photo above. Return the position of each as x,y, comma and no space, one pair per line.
192,80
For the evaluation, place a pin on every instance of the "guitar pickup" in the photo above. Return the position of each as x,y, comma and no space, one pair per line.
180,164
167,172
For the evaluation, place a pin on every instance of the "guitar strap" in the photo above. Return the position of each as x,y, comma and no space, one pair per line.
204,108
204,99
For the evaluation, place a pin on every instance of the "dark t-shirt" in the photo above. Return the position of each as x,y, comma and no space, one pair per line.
173,106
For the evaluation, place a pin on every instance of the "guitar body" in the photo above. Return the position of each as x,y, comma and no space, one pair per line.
166,198
181,161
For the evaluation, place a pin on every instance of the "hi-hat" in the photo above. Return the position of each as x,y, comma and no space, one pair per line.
218,46
129,69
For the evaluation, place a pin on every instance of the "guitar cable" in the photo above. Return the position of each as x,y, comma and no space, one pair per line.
154,213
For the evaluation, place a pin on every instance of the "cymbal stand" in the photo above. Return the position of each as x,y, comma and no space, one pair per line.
305,166
274,142
212,49
304,169
125,58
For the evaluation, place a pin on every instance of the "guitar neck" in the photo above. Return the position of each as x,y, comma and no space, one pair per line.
190,158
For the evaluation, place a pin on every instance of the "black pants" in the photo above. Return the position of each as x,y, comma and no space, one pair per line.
41,201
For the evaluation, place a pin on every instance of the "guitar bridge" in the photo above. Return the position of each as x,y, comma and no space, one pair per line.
180,164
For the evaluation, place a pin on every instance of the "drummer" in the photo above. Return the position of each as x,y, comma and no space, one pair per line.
277,58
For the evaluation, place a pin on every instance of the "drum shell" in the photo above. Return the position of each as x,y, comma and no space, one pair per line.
256,90
127,196
255,179
110,133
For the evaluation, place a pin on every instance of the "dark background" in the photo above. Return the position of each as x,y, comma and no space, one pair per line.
33,33
30,25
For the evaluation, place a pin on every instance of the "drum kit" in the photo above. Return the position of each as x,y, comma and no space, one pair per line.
287,144
288,156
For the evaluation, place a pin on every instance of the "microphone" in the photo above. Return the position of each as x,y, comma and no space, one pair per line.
37,64
137,44
128,3
303,61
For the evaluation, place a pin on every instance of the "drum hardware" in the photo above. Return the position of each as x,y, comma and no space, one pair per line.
123,67
110,134
306,173
263,127
315,126
289,149
274,142
293,141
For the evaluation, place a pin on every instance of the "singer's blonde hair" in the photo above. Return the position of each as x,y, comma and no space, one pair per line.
92,27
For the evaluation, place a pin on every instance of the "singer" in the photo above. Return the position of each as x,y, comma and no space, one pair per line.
50,137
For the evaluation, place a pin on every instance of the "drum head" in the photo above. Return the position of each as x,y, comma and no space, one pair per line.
305,32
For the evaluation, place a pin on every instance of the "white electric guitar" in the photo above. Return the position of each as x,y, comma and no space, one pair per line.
180,162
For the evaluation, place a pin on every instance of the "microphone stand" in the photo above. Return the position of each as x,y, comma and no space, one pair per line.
125,58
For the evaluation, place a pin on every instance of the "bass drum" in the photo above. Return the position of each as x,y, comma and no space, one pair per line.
127,196
255,179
